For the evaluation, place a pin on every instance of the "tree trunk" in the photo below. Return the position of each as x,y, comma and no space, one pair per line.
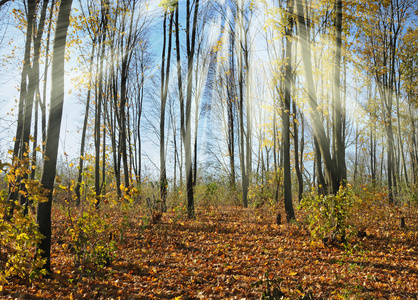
43,103
401,148
338,138
296,150
84,130
243,134
24,108
322,186
165,76
288,201
230,92
191,41
181,96
414,156
317,125
126,53
54,126
98,108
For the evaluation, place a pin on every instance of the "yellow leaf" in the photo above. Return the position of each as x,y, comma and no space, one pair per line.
293,273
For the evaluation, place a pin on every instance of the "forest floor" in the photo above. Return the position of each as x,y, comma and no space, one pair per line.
234,253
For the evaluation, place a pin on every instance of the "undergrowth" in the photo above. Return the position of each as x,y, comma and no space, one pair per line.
331,216
19,234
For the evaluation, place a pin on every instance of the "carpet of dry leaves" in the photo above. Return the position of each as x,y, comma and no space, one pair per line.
226,251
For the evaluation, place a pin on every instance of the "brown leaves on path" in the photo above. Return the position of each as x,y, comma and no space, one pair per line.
232,253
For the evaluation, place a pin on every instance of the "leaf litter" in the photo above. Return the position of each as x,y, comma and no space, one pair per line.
232,253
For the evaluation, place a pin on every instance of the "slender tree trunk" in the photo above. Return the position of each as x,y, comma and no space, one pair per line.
317,125
230,91
338,138
126,53
140,100
175,154
355,155
36,89
113,121
414,157
288,201
401,148
191,41
123,125
196,127
31,82
103,185
43,102
35,139
33,89
180,88
165,76
54,126
84,130
100,91
275,151
296,150
322,186
296,122
391,184
23,116
244,135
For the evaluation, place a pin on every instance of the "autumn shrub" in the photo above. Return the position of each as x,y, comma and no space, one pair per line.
413,195
207,194
18,240
19,232
91,233
330,216
260,195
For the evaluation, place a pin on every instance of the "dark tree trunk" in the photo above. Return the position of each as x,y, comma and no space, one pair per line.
244,135
317,125
414,156
31,81
83,133
322,186
338,138
288,201
165,76
126,53
54,126
43,102
123,124
23,109
191,41
181,95
296,150
231,94
98,109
